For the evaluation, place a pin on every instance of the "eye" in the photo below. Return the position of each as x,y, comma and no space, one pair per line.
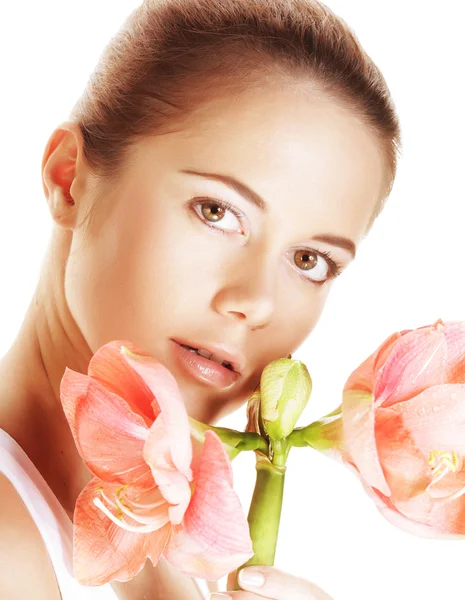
320,266
215,211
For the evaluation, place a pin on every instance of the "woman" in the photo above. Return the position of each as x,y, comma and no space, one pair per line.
223,165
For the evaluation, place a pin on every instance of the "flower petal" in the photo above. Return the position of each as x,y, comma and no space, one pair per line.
103,551
214,538
442,518
406,523
390,512
454,332
363,377
158,542
110,368
417,361
172,484
73,386
110,437
358,416
436,418
168,397
405,467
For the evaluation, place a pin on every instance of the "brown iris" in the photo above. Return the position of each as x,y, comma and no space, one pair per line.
212,212
308,259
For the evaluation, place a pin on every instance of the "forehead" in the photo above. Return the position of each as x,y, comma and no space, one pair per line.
302,149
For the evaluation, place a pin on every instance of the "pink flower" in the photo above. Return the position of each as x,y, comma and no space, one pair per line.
403,429
149,496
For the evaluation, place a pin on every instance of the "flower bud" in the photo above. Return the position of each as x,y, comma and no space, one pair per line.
254,423
285,387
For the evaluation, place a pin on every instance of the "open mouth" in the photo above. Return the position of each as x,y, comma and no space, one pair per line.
209,356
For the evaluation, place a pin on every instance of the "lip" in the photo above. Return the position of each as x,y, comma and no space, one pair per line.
227,353
203,369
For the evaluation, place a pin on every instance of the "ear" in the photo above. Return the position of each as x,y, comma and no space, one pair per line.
64,174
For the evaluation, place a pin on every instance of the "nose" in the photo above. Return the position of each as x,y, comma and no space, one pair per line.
249,293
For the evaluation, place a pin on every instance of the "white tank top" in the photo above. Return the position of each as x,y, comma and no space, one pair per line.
53,523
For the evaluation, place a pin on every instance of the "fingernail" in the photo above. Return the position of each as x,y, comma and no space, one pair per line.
251,578
218,596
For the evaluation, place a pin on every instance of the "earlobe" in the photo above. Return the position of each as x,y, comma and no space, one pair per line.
60,166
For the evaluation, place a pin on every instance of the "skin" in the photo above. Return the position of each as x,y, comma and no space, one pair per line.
146,268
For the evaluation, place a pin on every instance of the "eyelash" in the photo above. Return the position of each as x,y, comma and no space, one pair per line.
335,268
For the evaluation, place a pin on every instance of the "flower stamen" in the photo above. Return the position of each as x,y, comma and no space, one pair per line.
145,520
119,494
149,523
107,499
442,464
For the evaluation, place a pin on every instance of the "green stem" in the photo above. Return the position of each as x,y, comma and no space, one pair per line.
323,434
280,451
265,512
238,441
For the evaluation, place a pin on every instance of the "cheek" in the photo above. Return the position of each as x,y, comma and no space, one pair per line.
301,316
103,290
139,286
146,277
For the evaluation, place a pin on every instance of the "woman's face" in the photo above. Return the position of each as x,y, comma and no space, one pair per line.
164,259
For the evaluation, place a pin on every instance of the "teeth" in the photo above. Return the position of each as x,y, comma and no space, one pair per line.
205,353
209,355
193,350
223,363
212,357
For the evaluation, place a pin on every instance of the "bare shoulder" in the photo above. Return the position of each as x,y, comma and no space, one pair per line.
26,571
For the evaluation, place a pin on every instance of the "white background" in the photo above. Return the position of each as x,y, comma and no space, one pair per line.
408,272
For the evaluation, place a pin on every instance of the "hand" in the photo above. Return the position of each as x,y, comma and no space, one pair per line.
277,585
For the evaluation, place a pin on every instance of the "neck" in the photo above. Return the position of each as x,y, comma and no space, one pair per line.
30,376
49,340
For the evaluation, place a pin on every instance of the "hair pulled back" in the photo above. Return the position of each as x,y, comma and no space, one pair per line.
171,56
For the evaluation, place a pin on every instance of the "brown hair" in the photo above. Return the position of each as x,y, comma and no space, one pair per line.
171,56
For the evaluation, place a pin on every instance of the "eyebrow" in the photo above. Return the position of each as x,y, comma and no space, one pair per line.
249,194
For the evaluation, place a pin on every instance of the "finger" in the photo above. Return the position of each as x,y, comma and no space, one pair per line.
275,584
